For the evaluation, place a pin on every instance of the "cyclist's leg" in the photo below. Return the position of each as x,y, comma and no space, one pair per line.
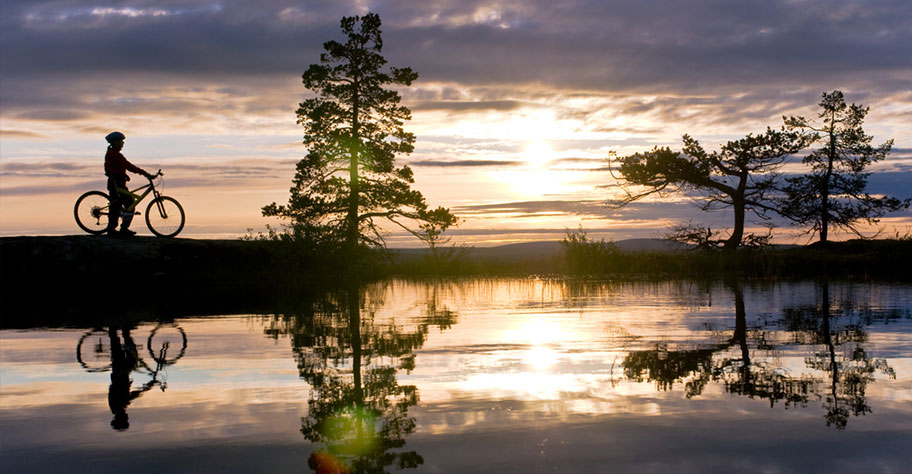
127,219
115,208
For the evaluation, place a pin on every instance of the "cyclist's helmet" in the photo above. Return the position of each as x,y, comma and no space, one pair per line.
115,137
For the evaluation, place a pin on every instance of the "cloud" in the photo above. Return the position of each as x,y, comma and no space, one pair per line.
20,134
58,175
706,63
45,189
892,184
658,46
468,106
637,211
465,163
30,168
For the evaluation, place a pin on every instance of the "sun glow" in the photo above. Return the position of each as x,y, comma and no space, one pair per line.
538,155
540,335
535,178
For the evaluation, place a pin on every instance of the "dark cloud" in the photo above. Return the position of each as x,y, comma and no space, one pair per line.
704,63
662,46
632,130
897,184
697,46
595,164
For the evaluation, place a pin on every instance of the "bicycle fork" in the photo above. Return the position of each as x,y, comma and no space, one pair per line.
160,205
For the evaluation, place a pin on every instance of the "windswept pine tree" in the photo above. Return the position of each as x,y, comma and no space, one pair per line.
741,176
349,184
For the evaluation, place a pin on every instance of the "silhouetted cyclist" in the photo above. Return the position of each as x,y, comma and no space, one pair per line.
116,167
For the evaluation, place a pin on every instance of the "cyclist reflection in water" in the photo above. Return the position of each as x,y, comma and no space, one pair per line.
124,359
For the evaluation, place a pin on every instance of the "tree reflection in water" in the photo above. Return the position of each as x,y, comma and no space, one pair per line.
842,356
357,410
844,367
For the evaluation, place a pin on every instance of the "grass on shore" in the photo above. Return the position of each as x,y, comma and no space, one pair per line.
881,259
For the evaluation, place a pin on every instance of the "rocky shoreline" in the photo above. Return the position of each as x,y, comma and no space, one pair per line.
43,275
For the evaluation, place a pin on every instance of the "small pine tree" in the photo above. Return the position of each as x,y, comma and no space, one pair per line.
833,193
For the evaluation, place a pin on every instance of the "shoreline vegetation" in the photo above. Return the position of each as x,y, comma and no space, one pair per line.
200,262
70,280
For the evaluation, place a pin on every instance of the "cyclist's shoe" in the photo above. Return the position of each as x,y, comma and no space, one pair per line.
126,233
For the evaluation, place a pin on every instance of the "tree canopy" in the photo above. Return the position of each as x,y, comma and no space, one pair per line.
833,193
348,184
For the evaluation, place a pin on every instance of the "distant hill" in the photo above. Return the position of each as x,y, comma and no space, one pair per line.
650,245
547,249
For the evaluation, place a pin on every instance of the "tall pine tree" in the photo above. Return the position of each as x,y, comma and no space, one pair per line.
348,184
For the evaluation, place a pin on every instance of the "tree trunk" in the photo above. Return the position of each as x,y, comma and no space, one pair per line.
738,231
351,239
354,325
825,186
740,337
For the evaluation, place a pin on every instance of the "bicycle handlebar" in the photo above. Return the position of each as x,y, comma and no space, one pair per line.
151,177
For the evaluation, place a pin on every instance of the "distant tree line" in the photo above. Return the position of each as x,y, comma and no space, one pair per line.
744,176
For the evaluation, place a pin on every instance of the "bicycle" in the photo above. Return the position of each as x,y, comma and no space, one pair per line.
93,350
102,351
164,215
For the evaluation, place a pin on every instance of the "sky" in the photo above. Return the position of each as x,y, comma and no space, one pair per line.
517,106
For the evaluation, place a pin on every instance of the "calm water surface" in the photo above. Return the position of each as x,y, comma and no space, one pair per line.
506,375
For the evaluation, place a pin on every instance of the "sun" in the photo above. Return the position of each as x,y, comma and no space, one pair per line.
534,177
538,155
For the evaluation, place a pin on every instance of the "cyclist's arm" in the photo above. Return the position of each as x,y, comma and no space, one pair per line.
136,169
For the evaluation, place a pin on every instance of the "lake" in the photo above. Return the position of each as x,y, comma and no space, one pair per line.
479,375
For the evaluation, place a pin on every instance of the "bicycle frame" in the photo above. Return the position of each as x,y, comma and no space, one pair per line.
137,198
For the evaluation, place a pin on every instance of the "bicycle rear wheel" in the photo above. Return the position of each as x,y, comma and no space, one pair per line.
91,212
165,216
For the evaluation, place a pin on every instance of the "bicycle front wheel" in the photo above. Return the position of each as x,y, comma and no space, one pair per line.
167,343
165,216
91,211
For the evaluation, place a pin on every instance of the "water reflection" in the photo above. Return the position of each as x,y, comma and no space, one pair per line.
842,368
358,411
502,375
103,350
842,356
